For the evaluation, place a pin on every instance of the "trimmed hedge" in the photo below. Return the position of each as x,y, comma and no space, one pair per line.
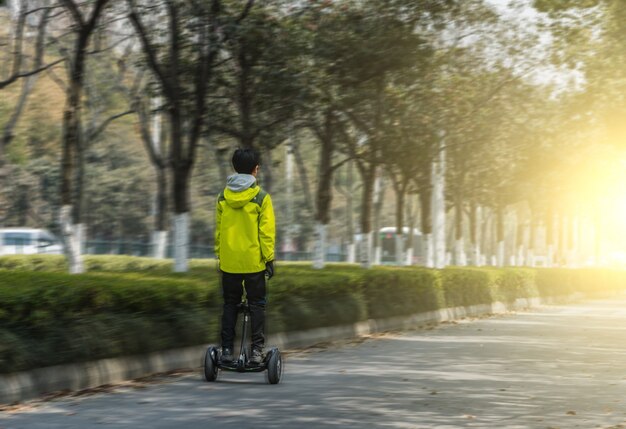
401,292
129,305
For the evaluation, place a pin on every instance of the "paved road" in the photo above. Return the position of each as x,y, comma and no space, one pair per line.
556,367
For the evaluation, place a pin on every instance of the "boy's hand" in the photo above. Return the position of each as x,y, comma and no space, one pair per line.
269,269
217,266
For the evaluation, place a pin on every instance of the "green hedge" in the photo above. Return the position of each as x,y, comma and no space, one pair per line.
128,305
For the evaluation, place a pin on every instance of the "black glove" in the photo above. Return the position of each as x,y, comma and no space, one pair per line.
269,269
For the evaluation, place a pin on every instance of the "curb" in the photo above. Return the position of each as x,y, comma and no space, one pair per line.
20,386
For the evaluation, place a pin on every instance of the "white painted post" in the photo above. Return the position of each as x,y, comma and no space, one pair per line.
399,244
438,207
71,240
429,251
459,253
320,246
351,249
366,245
181,242
408,261
500,255
159,238
288,242
159,243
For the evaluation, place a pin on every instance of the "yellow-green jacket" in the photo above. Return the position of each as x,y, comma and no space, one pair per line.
245,230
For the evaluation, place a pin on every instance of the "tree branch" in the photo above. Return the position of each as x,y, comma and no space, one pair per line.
75,12
341,163
148,48
56,79
100,129
246,11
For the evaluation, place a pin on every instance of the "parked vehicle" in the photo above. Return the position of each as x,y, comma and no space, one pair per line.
388,243
28,241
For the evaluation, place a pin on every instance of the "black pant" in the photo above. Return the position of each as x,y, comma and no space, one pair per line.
232,290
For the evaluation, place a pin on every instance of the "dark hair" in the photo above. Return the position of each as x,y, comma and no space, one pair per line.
244,160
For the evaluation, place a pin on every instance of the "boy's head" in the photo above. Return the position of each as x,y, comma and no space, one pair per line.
246,161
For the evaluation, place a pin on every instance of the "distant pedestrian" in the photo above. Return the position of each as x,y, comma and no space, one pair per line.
245,235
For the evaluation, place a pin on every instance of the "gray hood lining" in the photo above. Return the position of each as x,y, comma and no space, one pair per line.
240,182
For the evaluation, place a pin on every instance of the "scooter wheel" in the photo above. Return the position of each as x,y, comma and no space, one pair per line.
274,367
210,364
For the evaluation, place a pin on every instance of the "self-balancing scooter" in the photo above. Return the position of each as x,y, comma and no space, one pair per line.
273,361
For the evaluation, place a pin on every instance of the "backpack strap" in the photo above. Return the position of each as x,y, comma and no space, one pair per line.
258,199
220,197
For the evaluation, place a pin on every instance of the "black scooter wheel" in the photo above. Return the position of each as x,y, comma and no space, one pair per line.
210,364
274,367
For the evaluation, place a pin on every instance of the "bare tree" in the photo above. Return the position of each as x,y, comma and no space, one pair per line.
152,138
18,62
327,127
84,25
183,66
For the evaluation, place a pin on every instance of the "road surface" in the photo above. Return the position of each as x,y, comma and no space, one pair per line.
554,367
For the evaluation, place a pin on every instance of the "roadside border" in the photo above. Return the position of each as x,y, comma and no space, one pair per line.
16,387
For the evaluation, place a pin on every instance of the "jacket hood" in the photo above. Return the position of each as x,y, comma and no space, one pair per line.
240,182
240,189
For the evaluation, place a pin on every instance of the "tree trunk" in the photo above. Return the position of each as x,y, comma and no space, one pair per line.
9,127
71,239
181,173
159,235
520,242
399,241
426,226
439,207
474,231
368,178
153,138
459,245
181,242
501,254
379,193
550,230
486,234
351,251
70,199
304,178
267,172
411,215
530,249
73,153
289,242
320,245
324,197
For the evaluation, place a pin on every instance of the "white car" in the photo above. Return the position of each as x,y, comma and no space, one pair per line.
28,241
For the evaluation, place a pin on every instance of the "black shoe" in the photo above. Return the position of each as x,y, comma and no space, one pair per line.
227,355
257,356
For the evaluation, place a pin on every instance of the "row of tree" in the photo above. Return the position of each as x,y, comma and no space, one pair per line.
442,101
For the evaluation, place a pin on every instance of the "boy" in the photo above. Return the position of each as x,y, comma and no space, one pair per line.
245,234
